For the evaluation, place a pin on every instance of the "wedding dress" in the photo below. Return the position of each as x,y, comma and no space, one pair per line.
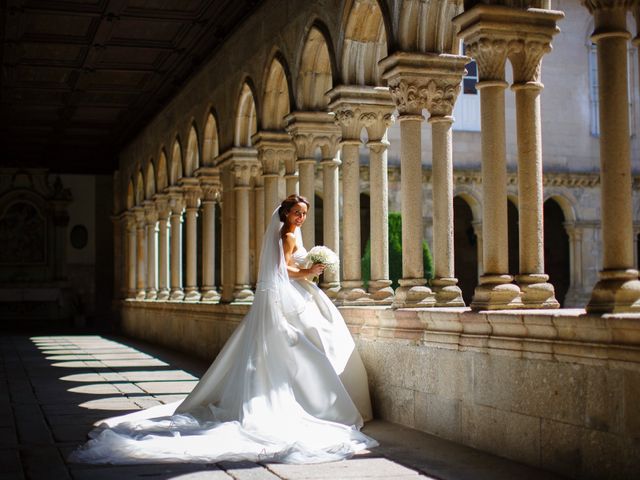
288,386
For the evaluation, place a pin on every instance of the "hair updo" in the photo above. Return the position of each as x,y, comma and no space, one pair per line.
288,203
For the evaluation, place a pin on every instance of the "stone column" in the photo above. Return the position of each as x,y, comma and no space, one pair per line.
191,192
525,55
151,218
243,169
210,186
162,207
484,29
141,254
331,215
636,40
176,203
290,174
117,221
228,224
259,218
405,76
477,230
618,289
274,149
132,255
377,123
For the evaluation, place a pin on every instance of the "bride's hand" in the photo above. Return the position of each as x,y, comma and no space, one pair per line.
316,269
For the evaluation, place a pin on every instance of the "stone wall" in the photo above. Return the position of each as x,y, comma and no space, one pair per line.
555,389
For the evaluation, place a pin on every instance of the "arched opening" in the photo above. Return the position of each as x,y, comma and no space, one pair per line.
319,216
246,121
131,199
465,247
427,27
276,103
192,158
556,249
514,242
139,188
175,171
210,145
315,77
150,183
162,181
365,43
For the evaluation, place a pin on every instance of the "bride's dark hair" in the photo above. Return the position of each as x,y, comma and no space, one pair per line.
288,203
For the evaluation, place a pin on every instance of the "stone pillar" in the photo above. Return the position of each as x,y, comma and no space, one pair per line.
484,29
131,265
228,234
525,55
119,255
310,131
191,192
162,207
618,289
290,174
151,218
141,254
176,203
636,40
210,186
377,123
274,148
243,169
405,74
331,215
259,218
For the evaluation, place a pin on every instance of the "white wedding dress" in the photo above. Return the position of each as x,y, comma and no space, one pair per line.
288,386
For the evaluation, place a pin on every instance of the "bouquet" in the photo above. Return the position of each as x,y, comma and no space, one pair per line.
323,255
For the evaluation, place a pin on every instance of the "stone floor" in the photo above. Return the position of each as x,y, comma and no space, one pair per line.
53,387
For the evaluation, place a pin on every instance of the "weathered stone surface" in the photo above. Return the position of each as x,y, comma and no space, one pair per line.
561,447
513,435
438,416
356,468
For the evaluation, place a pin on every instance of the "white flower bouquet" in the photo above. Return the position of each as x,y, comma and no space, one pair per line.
323,255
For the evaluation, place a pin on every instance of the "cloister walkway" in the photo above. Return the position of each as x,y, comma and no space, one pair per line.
54,386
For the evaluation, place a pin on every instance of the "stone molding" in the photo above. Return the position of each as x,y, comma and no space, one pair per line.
594,5
150,212
526,58
191,192
313,130
273,148
210,184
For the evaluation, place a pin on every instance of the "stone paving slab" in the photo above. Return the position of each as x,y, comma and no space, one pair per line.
58,387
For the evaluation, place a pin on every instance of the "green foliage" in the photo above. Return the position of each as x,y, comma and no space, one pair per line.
395,254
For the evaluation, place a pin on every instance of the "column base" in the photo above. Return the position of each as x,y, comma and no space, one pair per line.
617,291
447,293
192,295
177,295
163,294
380,292
537,292
576,297
331,289
413,293
353,293
141,295
496,292
210,295
152,294
242,294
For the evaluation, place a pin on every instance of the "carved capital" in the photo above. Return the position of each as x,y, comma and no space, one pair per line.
407,96
162,206
243,171
140,217
130,221
192,196
270,159
150,212
490,55
176,201
526,59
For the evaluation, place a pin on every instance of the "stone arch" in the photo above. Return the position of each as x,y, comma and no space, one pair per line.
364,43
139,188
131,198
315,75
246,119
566,201
426,26
472,199
465,246
175,167
276,101
210,142
162,181
556,248
150,181
192,157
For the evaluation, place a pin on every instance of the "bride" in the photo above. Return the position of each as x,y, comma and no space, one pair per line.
288,386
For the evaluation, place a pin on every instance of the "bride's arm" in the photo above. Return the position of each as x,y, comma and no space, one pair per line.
288,245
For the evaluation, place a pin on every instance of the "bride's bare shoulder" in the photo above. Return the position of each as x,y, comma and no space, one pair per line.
289,241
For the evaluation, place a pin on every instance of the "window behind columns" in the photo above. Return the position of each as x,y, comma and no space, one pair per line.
465,247
467,108
514,244
556,249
